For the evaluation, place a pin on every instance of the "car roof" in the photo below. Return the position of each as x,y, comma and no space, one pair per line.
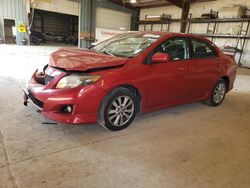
172,34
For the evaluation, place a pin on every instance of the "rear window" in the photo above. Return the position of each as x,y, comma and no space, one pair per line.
202,49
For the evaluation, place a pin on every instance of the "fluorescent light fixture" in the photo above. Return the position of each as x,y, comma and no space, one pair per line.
150,17
133,1
122,28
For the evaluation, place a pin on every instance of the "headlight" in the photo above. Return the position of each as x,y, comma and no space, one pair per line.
73,81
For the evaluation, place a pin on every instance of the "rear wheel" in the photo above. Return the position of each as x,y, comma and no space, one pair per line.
218,93
118,109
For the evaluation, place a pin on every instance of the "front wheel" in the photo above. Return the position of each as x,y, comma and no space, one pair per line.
218,93
118,109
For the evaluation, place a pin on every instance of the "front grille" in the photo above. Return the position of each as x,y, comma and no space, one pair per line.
36,101
48,79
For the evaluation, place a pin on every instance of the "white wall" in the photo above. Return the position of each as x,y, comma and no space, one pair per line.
111,19
110,23
174,11
104,34
60,6
197,9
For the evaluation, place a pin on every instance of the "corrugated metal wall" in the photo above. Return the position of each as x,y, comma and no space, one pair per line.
12,9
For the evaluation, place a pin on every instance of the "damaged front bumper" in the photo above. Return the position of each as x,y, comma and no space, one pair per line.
38,104
51,102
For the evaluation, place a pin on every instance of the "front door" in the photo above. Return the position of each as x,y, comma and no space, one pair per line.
168,82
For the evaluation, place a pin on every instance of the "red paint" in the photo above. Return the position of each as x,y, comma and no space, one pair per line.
160,84
160,58
83,59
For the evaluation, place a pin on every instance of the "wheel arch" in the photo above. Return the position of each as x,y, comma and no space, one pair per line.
100,118
135,91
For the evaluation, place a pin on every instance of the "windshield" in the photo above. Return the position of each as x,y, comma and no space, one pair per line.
127,45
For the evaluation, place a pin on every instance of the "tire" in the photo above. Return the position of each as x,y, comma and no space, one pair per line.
37,42
218,93
118,109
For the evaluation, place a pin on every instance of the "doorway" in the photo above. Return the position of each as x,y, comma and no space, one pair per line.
10,31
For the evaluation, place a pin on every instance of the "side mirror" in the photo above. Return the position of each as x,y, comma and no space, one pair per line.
160,58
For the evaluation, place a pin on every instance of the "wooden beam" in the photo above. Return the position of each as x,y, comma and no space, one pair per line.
178,3
154,4
164,4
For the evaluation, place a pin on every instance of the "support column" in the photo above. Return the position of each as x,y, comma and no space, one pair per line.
135,20
87,22
184,15
1,29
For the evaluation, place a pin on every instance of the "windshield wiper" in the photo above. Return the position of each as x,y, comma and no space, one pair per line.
106,52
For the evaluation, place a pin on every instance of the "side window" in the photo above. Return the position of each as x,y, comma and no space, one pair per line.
176,48
202,49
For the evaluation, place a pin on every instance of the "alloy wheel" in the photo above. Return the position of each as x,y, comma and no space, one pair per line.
219,92
121,110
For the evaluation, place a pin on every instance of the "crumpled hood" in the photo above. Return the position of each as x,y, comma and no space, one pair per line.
83,59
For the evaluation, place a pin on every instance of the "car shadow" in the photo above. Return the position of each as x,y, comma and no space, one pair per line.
141,118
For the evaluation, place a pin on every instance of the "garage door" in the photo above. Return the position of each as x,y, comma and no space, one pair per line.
110,19
59,6
51,22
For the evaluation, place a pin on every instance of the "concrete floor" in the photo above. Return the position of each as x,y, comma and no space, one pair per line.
187,146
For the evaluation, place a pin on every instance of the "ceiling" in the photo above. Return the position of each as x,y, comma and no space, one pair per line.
143,3
153,3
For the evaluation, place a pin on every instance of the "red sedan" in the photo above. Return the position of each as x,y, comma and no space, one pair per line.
128,74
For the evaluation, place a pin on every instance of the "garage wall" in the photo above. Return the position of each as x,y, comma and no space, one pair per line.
196,9
111,19
60,6
72,8
174,11
114,6
109,15
12,9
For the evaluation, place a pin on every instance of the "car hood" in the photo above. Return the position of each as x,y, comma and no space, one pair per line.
83,60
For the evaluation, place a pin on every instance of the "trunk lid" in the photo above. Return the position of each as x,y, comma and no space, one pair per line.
83,60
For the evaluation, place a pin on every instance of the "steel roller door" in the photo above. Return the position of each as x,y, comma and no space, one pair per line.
111,19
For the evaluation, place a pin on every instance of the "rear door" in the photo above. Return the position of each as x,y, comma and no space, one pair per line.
204,68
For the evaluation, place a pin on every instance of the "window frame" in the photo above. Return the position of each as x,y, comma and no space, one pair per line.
126,35
186,39
204,42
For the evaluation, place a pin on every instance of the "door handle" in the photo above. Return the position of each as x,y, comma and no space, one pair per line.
191,68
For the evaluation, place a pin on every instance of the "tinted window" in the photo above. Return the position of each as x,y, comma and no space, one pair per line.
202,49
176,48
